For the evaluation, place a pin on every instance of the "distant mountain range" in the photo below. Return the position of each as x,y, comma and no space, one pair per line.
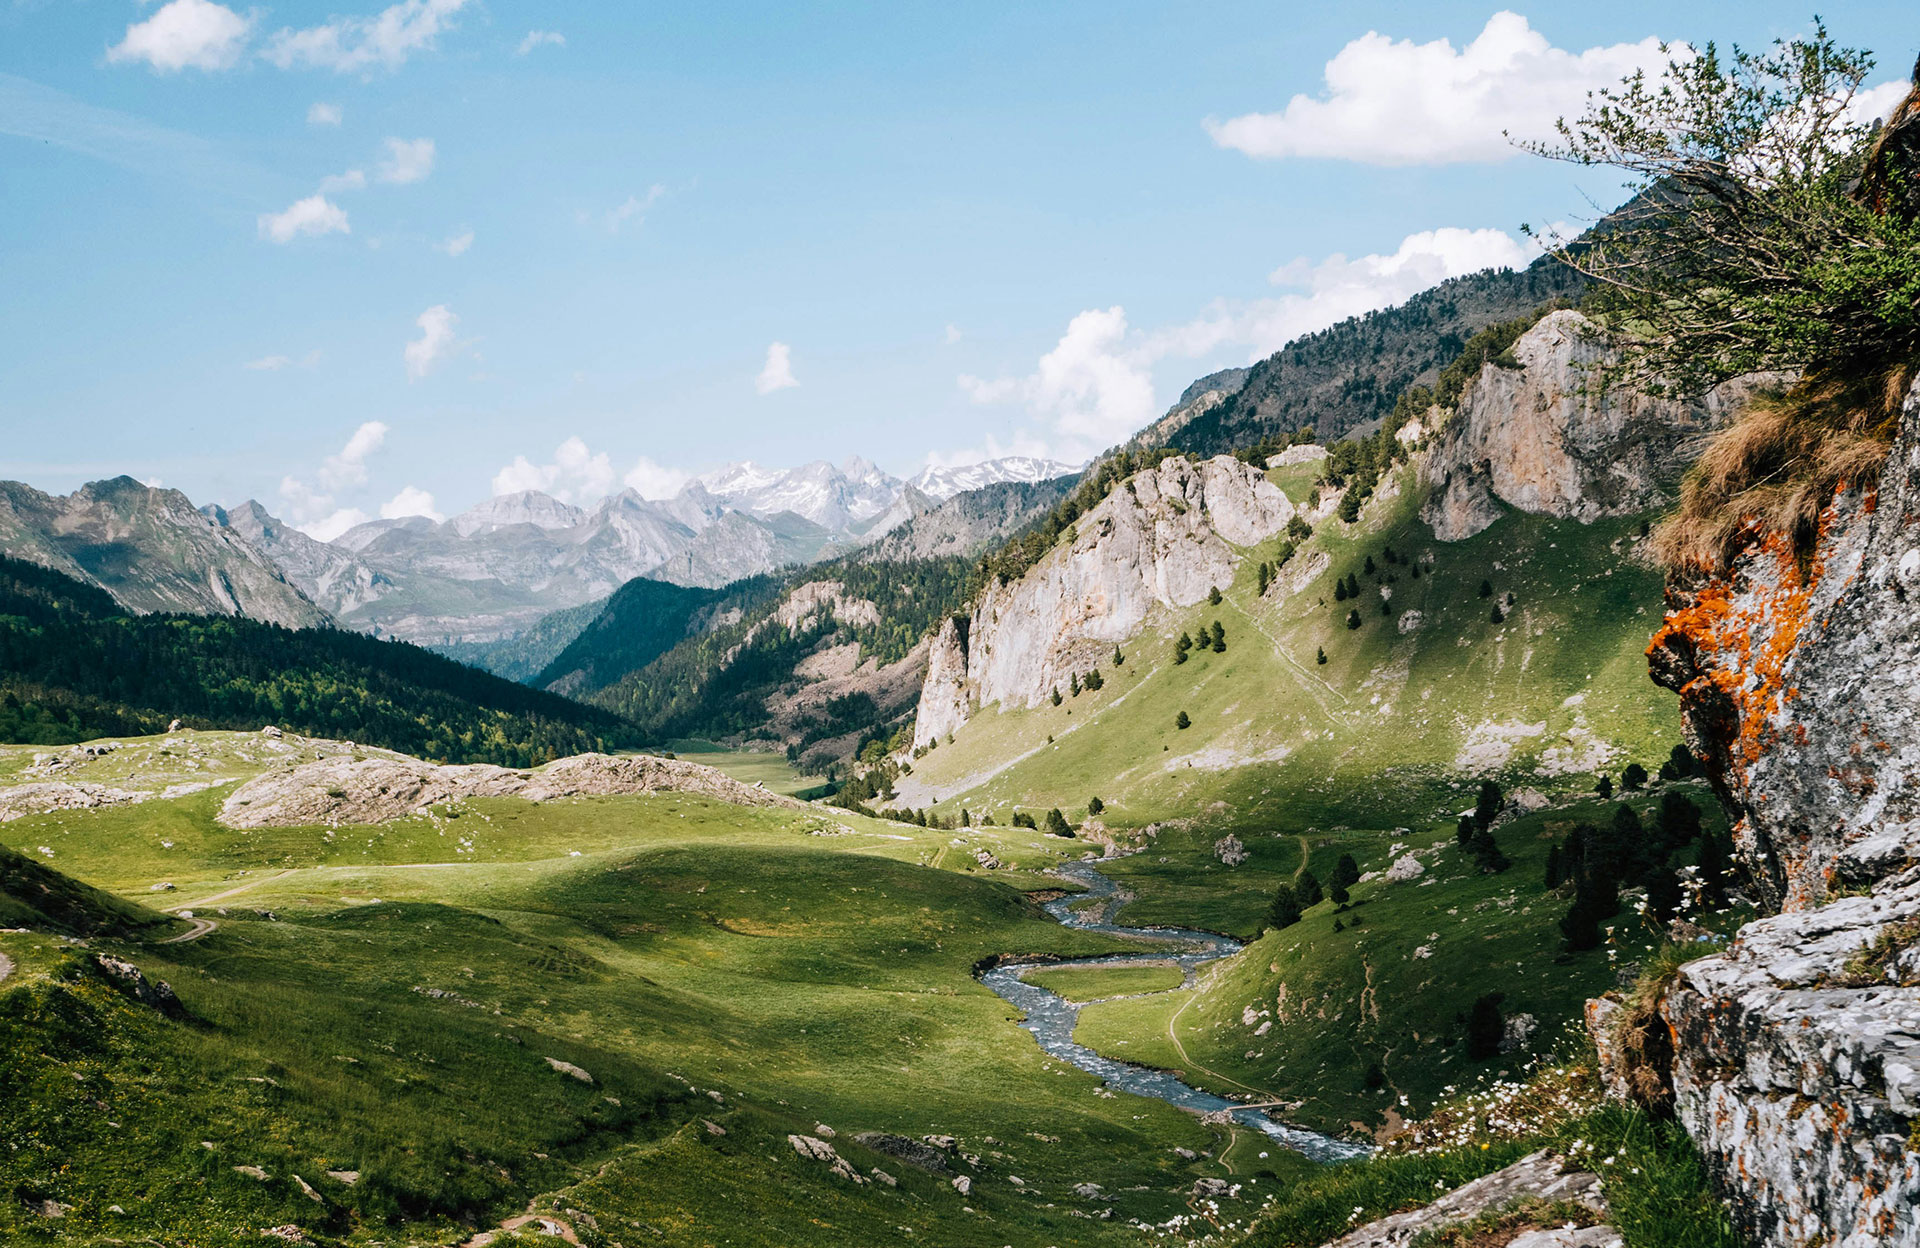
485,576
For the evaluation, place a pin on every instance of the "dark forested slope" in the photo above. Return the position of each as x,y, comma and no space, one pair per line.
75,665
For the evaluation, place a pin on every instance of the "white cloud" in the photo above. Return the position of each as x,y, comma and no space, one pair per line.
360,44
1402,103
435,343
777,373
316,214
538,38
411,501
1095,388
186,34
1337,287
1024,443
953,334
456,245
634,210
576,475
408,160
321,114
1877,103
333,524
351,180
651,480
268,363
349,467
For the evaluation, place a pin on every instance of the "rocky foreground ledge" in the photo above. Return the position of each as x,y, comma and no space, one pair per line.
376,789
1796,1053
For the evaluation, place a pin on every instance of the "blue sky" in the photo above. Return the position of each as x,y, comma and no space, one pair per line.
344,259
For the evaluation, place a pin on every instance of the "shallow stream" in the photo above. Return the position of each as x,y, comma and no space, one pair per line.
1051,1018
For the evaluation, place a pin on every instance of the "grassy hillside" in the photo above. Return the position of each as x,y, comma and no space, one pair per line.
1389,726
73,665
381,1002
1378,747
37,896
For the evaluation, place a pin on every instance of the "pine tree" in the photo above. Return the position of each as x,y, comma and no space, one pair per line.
1095,806
1213,596
1308,887
1057,823
1285,909
1219,638
1181,721
1346,870
1321,656
1337,893
1464,832
1487,806
1486,1027
1496,615
1073,686
1340,590
1604,787
1486,589
1118,658
1370,569
1663,895
1353,585
1678,820
1633,777
966,820
1353,620
1263,579
1180,648
1056,695
1486,852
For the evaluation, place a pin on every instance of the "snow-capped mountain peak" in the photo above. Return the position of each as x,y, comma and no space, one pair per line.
940,484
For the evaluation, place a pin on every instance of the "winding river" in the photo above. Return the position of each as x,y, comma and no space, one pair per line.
1051,1018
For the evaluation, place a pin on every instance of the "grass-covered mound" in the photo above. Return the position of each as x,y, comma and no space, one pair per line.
36,896
394,1016
74,665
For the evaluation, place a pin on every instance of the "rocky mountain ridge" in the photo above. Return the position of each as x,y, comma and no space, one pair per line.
1166,538
151,550
1550,435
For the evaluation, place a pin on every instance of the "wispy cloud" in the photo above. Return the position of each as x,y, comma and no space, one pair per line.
350,45
633,211
456,245
320,114
540,38
31,111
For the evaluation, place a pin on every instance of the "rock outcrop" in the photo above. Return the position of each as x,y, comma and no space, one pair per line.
1551,437
1797,1051
374,790
1163,539
1541,1176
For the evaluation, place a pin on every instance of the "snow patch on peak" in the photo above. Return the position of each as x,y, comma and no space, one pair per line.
940,484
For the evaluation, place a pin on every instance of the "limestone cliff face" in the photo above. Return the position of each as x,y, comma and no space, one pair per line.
1163,539
1797,1063
1549,437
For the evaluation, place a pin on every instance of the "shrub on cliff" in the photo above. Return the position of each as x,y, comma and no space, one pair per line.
1774,230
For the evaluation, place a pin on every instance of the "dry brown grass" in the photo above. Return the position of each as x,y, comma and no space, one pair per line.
1775,469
